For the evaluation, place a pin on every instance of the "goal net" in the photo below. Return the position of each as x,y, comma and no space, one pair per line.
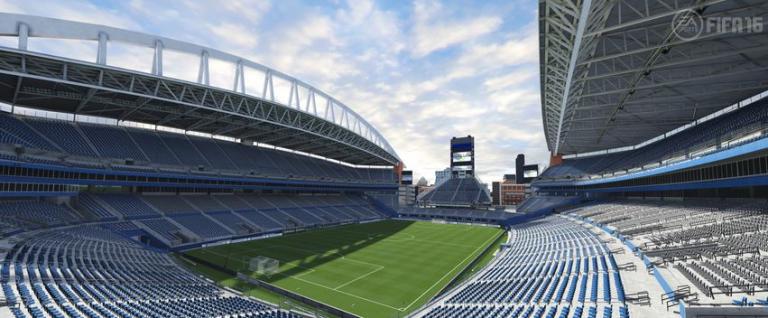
263,265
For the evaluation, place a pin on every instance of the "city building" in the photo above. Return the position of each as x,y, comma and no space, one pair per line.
406,195
512,193
442,175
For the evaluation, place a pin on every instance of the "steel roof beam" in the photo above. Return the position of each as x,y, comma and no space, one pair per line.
25,26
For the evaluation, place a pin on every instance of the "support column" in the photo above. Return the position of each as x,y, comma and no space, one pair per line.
23,36
101,54
157,59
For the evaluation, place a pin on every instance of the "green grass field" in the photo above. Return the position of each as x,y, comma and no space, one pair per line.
382,269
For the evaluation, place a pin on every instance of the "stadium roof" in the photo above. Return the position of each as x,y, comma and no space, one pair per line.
303,118
615,73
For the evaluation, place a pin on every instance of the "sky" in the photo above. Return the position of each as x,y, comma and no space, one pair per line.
419,71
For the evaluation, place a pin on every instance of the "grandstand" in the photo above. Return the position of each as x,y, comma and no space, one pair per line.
122,148
100,191
657,170
553,268
88,271
457,192
461,215
738,127
660,134
462,200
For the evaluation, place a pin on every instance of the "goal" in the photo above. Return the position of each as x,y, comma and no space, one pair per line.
263,265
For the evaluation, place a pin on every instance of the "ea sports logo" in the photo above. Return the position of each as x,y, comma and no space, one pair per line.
687,25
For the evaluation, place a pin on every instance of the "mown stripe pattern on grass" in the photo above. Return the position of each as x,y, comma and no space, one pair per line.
383,269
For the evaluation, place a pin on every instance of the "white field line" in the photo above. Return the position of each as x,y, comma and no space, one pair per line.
413,238
297,277
345,293
308,270
379,267
359,277
484,245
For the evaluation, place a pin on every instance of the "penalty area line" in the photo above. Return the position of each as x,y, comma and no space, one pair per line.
359,278
345,293
485,244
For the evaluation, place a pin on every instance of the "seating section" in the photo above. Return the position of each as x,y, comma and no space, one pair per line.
263,221
105,138
539,203
100,254
214,154
167,230
30,214
154,147
93,270
15,131
121,227
169,204
105,146
87,271
237,224
129,206
183,219
718,245
738,127
205,203
89,204
459,192
455,214
553,267
186,152
202,226
64,134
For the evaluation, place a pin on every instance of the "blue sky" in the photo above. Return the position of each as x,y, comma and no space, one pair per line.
419,71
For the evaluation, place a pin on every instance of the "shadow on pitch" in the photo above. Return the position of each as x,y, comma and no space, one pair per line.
304,251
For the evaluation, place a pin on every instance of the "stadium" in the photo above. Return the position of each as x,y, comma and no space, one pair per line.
126,193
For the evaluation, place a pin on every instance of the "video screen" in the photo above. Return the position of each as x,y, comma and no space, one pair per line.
464,156
462,168
531,174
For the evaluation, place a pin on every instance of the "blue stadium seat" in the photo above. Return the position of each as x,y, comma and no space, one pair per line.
113,142
705,135
97,273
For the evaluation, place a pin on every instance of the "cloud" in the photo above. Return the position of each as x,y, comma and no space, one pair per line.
76,10
434,29
521,48
252,10
512,79
235,33
420,73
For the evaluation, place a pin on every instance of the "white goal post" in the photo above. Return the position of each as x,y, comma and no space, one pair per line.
263,265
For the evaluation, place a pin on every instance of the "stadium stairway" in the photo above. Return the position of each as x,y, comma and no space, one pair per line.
89,145
713,247
551,267
181,220
89,271
55,265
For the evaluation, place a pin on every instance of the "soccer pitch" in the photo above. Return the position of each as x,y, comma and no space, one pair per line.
381,269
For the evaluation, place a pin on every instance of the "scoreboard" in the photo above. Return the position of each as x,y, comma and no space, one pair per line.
462,157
